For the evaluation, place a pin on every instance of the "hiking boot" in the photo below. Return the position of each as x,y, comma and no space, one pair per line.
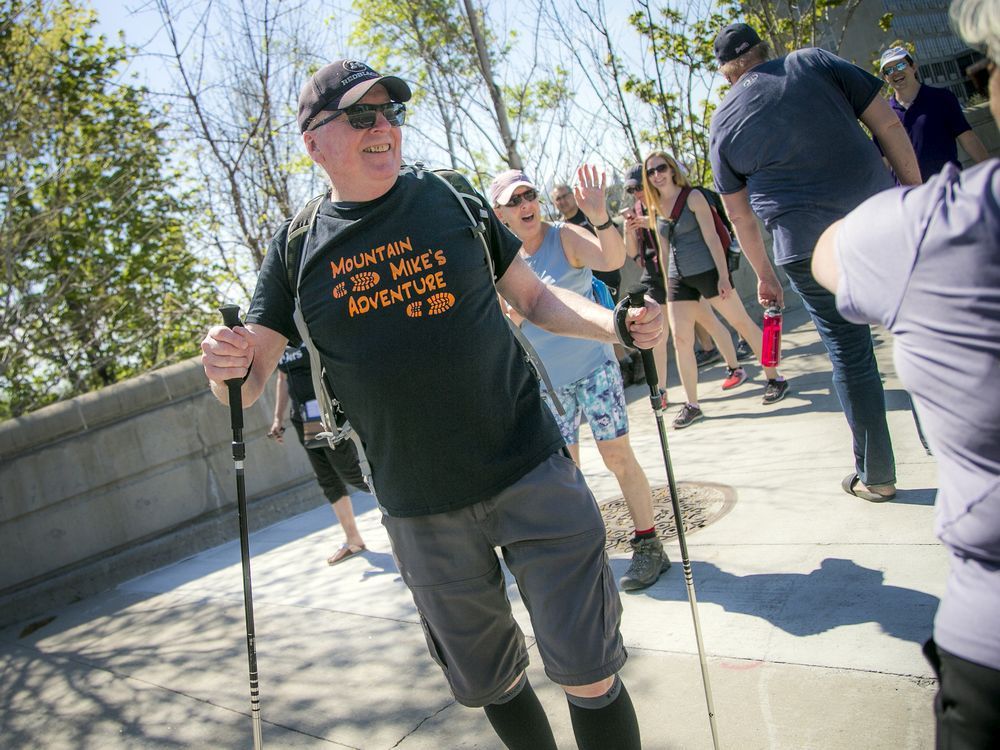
774,391
687,416
737,376
649,562
743,351
706,358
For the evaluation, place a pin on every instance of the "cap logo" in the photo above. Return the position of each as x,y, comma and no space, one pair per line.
741,48
354,65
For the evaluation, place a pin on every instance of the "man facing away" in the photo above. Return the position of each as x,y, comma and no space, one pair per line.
465,456
786,144
932,116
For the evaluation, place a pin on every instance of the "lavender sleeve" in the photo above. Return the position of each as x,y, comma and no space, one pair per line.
875,252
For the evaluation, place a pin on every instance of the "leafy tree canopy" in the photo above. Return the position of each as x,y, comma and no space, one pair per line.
97,282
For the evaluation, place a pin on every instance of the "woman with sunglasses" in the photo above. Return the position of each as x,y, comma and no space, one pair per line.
641,246
584,373
697,269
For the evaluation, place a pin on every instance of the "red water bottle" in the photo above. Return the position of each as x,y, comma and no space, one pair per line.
770,353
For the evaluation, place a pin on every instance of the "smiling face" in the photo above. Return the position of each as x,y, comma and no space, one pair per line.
900,74
361,164
525,218
659,173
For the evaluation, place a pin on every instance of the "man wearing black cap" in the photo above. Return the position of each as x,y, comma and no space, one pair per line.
398,300
786,144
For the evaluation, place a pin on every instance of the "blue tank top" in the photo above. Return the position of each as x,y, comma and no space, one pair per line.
566,359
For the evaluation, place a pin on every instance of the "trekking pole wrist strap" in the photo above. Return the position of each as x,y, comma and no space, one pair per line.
621,324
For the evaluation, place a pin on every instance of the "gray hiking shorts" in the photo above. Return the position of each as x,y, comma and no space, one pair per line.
552,536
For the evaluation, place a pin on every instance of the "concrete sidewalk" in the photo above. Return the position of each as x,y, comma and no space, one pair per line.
813,607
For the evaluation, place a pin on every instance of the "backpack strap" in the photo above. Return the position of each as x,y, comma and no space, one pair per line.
328,404
296,238
475,206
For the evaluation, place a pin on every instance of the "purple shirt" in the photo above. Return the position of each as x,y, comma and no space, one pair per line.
933,121
925,263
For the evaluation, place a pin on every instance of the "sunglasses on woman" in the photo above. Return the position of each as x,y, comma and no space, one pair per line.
888,70
658,169
527,195
363,116
633,190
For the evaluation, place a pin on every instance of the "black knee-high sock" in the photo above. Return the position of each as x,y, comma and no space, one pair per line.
519,719
607,722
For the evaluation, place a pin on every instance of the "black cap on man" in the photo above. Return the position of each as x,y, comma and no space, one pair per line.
341,84
734,40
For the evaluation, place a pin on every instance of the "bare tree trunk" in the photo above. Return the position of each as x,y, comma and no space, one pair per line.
509,142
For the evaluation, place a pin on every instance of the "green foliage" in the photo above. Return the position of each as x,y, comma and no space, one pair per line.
97,283
684,64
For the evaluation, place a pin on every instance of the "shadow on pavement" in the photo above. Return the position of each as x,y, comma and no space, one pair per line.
839,592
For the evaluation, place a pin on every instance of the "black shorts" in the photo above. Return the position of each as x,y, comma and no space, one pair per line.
693,288
967,704
654,286
335,468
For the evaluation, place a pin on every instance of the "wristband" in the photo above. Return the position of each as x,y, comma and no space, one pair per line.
605,225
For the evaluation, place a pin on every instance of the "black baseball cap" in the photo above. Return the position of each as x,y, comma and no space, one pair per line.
733,41
341,84
633,177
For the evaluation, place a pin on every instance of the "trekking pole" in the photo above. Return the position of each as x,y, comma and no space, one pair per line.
231,318
635,299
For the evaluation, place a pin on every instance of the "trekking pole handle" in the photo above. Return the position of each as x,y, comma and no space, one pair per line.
231,319
637,298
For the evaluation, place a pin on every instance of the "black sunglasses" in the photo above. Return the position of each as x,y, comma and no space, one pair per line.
527,195
658,169
363,116
631,190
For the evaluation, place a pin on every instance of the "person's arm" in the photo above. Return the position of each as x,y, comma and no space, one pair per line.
973,146
226,353
825,267
879,118
706,223
606,250
568,314
769,291
280,407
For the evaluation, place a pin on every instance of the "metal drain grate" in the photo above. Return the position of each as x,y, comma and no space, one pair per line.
702,503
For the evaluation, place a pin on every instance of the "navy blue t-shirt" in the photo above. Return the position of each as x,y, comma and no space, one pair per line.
933,121
788,131
399,302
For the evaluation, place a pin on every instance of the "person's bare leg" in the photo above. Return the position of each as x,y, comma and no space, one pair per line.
682,317
620,459
703,337
344,511
719,333
732,309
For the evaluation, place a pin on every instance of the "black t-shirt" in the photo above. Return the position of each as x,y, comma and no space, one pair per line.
399,301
